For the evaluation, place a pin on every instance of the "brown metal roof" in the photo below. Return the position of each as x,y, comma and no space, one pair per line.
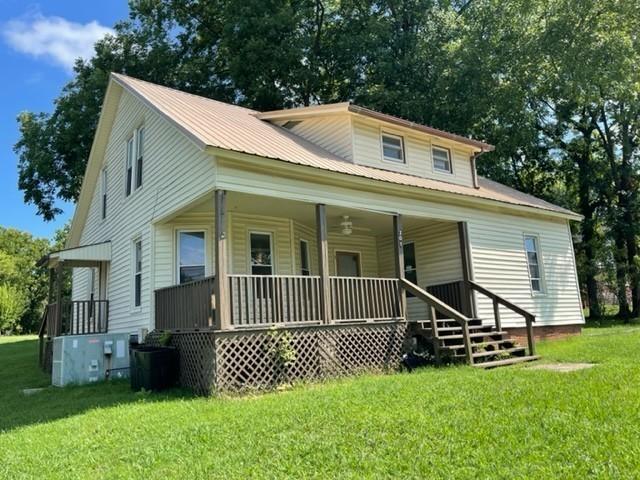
216,124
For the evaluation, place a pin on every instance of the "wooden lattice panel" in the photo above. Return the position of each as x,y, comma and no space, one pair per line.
254,360
196,351
247,360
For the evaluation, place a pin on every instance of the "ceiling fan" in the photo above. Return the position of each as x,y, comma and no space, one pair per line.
346,226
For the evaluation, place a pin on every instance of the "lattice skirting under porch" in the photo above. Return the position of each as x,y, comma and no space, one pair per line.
245,360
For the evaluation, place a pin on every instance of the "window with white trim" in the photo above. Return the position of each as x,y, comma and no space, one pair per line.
305,268
137,273
135,153
129,170
392,148
103,186
191,255
532,250
139,155
441,159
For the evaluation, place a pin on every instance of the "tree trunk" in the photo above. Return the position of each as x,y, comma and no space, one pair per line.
621,273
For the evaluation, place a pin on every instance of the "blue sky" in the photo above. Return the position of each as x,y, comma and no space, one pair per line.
38,42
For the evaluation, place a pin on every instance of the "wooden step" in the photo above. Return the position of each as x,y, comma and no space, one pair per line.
495,343
514,351
444,331
507,361
475,335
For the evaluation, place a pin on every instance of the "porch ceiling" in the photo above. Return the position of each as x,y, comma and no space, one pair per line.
365,222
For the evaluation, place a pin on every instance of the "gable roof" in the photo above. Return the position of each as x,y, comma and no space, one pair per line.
211,124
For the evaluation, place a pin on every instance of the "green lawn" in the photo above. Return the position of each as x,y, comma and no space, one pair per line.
455,422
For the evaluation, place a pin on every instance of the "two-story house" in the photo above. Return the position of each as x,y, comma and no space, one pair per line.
343,226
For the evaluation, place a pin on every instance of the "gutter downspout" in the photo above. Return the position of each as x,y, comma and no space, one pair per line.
474,171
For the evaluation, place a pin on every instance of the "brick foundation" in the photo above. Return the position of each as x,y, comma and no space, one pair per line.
547,332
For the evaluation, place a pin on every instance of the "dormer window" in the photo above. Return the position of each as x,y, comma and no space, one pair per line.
441,160
392,148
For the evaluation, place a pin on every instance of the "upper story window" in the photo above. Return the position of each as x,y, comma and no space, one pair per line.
392,148
103,186
139,155
441,160
191,255
135,153
532,249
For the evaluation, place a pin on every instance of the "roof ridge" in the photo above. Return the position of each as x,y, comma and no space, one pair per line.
202,97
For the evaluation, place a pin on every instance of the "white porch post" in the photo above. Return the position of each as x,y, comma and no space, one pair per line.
323,262
467,272
398,247
221,283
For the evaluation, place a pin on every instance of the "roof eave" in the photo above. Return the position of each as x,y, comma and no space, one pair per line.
383,117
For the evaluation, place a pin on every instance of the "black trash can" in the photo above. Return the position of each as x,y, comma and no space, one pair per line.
153,368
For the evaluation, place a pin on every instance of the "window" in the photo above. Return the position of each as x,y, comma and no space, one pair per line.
410,271
441,160
135,153
348,264
191,256
139,154
532,250
137,273
261,257
392,148
129,172
104,193
304,258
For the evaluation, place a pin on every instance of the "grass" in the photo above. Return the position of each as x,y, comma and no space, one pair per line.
454,422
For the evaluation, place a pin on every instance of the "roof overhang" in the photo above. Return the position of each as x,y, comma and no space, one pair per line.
84,256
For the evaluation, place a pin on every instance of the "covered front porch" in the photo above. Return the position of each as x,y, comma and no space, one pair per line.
291,263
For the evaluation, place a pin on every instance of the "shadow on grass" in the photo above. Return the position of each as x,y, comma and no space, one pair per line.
19,370
612,321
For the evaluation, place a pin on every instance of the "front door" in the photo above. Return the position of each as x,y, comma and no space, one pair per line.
348,264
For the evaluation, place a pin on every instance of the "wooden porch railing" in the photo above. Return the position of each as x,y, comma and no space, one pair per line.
497,300
188,306
84,317
451,293
365,299
76,317
438,306
257,300
274,299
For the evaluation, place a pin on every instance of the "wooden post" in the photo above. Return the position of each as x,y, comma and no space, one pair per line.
496,315
221,284
58,321
399,260
467,272
530,338
323,262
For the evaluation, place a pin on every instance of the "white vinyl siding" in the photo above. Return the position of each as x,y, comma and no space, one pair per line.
332,133
175,174
417,153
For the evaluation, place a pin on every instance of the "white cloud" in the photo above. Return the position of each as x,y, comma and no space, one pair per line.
54,38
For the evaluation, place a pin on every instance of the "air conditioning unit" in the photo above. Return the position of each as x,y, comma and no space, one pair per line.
81,359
